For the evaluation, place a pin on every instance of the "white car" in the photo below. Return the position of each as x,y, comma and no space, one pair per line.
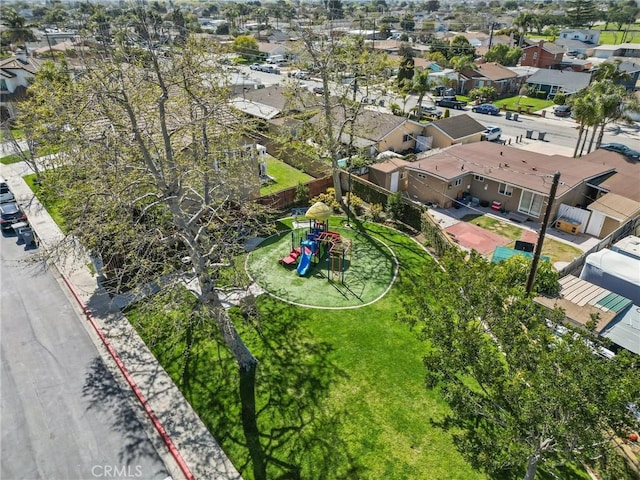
492,133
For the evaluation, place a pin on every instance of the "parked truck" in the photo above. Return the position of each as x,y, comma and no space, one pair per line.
451,102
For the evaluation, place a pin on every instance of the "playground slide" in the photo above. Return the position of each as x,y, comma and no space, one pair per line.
305,261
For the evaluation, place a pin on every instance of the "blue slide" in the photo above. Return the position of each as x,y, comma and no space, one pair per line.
305,258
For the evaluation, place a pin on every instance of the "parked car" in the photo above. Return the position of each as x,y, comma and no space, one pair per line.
319,90
486,108
451,102
6,195
300,75
620,148
269,69
10,213
492,133
429,110
255,66
562,110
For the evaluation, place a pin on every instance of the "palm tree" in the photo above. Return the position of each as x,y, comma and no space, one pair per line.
421,84
460,64
585,111
612,98
18,32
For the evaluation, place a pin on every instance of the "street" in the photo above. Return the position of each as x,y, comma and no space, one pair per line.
559,131
63,414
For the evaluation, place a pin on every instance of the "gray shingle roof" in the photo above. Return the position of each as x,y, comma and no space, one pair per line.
570,82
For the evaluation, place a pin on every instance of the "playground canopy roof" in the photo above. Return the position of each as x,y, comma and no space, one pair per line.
319,211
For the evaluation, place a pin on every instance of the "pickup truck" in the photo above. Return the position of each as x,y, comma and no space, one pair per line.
451,102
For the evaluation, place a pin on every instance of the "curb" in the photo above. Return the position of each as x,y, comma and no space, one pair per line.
132,384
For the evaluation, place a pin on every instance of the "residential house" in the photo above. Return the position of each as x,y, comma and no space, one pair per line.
490,74
618,318
445,132
16,72
623,50
613,198
632,69
519,180
555,81
270,102
578,41
272,49
542,55
390,174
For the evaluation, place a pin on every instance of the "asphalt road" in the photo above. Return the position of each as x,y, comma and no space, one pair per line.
559,131
63,416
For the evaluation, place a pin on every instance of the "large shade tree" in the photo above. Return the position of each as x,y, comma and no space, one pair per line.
521,396
158,179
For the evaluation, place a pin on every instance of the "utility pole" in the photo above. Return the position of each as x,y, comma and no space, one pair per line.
543,231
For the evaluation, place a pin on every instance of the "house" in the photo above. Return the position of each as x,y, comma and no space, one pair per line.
491,74
16,72
270,102
451,131
633,70
272,49
555,81
618,318
488,172
390,174
376,131
583,35
541,55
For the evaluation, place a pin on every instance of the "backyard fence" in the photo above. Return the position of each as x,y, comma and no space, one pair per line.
287,198
435,236
575,266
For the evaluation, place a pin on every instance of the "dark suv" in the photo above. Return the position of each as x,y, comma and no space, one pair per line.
10,213
562,111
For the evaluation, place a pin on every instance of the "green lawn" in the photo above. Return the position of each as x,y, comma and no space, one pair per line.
49,200
340,392
285,176
17,134
14,158
523,102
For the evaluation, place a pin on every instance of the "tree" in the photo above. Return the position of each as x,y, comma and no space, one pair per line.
407,22
421,84
504,55
521,397
159,181
484,94
581,12
406,70
247,47
461,64
461,47
17,32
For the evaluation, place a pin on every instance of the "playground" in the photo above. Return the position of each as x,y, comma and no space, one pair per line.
320,263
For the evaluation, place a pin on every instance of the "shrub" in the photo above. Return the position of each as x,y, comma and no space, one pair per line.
357,204
328,198
395,206
302,194
375,212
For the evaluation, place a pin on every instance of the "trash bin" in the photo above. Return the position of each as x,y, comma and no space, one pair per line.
508,115
515,117
529,133
541,135
27,236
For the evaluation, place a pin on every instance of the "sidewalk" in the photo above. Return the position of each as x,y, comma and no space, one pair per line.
199,450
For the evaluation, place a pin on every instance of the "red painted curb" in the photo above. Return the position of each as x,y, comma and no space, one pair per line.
141,398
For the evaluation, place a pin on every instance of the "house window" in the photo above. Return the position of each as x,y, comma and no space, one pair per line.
524,57
535,55
406,138
478,178
457,182
505,189
530,203
403,175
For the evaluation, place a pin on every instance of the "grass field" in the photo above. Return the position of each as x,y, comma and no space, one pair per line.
285,176
49,200
523,102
